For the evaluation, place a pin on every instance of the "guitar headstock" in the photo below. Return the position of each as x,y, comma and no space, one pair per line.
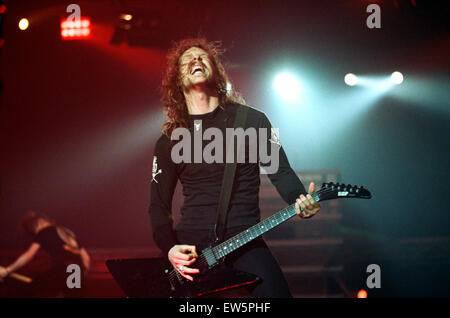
330,190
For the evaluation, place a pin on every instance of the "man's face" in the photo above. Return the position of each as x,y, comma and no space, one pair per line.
195,67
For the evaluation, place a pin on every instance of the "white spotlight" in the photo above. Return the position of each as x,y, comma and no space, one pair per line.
23,24
350,79
397,78
287,86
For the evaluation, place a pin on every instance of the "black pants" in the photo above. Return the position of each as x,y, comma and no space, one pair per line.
254,257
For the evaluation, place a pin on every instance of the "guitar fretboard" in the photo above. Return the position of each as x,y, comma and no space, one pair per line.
256,230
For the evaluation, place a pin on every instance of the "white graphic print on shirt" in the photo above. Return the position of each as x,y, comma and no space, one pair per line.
155,170
274,137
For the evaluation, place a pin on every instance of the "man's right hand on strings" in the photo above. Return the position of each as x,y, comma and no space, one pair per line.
182,256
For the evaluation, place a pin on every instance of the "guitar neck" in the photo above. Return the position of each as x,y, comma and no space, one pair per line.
230,245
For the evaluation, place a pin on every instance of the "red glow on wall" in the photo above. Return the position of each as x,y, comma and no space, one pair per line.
75,29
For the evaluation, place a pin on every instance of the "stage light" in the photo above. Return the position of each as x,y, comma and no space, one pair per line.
362,294
126,17
78,29
397,78
350,79
287,86
23,24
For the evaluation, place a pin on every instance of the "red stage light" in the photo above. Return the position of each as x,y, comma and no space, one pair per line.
78,29
362,294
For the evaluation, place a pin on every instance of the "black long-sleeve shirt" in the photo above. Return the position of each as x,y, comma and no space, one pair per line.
202,182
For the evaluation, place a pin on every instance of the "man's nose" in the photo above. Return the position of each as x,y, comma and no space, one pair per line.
197,58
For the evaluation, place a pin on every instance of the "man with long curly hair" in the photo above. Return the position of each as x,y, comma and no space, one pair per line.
197,94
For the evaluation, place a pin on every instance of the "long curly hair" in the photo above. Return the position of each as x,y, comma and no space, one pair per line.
172,91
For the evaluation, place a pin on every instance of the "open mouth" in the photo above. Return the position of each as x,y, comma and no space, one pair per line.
196,69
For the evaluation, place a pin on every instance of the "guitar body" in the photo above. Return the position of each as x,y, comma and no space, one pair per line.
148,278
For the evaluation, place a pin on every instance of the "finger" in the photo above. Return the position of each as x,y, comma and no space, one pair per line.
188,270
310,210
309,207
312,187
305,201
302,209
182,262
297,207
184,271
311,201
188,277
182,256
188,249
194,252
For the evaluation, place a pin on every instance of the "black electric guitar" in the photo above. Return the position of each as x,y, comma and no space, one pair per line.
156,277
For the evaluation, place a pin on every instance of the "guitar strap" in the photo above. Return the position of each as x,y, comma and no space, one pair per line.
228,178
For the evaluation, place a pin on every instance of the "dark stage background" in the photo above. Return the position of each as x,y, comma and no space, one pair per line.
79,119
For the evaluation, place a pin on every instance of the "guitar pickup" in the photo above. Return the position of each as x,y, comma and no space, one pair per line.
209,257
